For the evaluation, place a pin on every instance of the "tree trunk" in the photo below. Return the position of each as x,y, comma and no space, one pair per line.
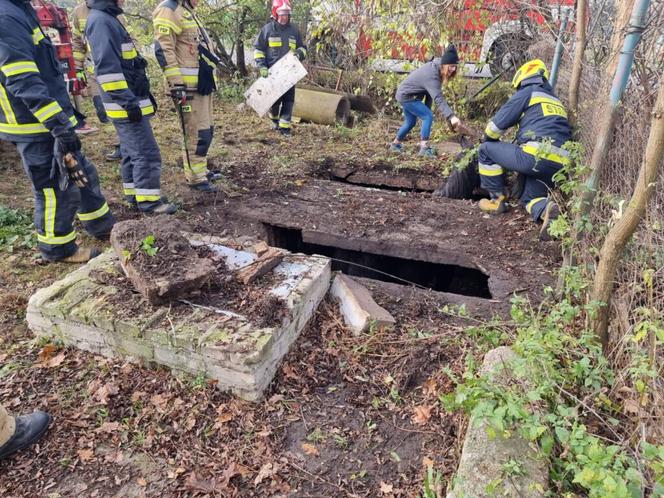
623,13
579,50
239,45
621,233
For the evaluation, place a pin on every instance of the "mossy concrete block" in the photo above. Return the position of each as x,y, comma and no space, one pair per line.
483,468
224,345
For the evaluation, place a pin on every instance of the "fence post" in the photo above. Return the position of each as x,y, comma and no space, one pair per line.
558,54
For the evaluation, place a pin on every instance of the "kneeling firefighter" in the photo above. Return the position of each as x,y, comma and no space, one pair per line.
186,55
125,89
538,155
37,116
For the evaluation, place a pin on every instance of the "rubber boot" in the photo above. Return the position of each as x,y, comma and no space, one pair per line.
495,205
29,429
204,187
164,208
214,175
551,212
396,148
82,255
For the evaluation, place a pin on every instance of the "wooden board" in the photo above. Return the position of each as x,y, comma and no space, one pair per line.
264,92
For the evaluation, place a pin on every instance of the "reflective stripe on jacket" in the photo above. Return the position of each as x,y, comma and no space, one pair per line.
541,117
177,34
274,41
33,95
119,68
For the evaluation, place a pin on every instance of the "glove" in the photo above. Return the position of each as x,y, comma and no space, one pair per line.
179,94
455,123
81,76
299,54
67,143
134,114
264,72
75,172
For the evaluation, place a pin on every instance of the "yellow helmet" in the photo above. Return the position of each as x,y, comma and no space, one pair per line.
530,68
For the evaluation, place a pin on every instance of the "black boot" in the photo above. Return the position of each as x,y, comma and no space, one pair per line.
206,187
115,155
29,429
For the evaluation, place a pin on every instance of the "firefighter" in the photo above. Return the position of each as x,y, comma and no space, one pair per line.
17,433
186,55
276,39
37,116
83,61
125,89
537,154
418,91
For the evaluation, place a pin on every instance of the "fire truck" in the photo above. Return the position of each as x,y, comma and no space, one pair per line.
491,35
55,23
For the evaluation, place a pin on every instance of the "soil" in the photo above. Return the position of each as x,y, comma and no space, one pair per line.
346,415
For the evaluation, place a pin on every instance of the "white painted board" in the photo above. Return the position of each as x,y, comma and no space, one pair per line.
266,91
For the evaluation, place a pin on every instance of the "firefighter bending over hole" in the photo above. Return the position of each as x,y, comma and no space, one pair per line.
543,129
37,116
276,39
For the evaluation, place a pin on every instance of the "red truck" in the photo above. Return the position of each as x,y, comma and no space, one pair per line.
55,23
491,35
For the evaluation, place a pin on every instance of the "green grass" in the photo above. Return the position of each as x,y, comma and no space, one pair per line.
15,229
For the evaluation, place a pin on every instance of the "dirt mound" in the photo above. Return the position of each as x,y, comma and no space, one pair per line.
158,259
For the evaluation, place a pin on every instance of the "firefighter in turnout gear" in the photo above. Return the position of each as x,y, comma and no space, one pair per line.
538,155
276,39
186,55
83,59
37,116
125,89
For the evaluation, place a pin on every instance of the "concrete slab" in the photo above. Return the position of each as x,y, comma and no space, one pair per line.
358,306
90,309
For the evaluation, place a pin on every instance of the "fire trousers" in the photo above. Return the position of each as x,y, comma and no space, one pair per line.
55,209
197,113
496,157
7,426
281,112
141,163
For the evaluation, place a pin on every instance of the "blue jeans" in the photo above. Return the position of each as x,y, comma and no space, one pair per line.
411,111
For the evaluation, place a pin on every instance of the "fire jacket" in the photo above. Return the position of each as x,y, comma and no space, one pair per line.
79,19
425,83
540,115
33,95
119,68
178,34
274,41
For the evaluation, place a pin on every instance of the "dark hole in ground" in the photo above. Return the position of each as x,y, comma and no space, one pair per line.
379,186
436,276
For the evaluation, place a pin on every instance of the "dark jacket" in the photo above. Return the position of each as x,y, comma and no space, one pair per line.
274,41
425,83
34,103
537,110
119,68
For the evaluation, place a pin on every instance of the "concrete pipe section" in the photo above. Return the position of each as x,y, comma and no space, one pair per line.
322,107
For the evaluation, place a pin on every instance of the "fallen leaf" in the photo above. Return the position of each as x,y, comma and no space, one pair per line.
86,454
289,372
421,414
141,482
267,470
106,391
631,407
427,462
386,488
223,418
195,483
109,427
310,449
430,387
46,353
46,360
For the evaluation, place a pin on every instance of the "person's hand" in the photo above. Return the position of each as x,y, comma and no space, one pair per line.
300,54
455,123
134,114
264,72
67,142
179,93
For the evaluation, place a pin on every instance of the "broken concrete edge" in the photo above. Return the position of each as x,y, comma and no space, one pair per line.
246,373
357,306
481,466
